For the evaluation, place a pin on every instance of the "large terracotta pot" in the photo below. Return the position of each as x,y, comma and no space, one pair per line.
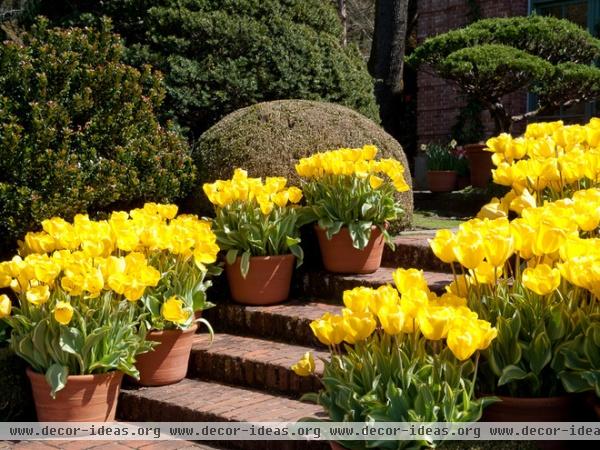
442,180
564,408
480,164
339,256
85,398
267,282
168,362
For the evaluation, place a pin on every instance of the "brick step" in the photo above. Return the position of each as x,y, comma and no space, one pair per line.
201,401
287,322
256,363
323,284
412,250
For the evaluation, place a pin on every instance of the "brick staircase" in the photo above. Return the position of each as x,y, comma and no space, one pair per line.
245,375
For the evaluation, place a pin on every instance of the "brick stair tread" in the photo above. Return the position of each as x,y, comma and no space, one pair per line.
328,285
253,362
201,401
412,250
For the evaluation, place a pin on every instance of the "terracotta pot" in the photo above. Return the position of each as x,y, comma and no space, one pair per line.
267,282
480,164
339,256
524,409
85,398
442,180
336,446
168,362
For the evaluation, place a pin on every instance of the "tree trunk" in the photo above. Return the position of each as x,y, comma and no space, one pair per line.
344,18
389,42
502,120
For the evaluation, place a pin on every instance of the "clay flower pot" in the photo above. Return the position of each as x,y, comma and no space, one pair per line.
168,362
339,256
540,409
336,446
85,398
267,282
442,180
480,164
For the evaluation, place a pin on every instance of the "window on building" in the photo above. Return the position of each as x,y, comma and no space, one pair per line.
584,13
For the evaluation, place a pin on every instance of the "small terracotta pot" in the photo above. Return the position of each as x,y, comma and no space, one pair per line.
525,409
85,398
168,362
480,164
442,180
267,282
339,256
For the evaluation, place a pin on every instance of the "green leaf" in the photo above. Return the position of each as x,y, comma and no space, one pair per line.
245,263
56,376
511,373
297,251
231,255
540,352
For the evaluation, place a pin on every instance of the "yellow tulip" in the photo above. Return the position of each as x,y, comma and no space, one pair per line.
469,249
542,279
358,325
486,273
453,300
406,279
492,210
548,239
358,299
413,300
375,181
38,295
459,287
486,334
525,200
173,311
384,296
281,198
266,207
463,341
295,194
329,329
40,242
5,306
434,321
305,366
368,152
63,312
442,245
391,318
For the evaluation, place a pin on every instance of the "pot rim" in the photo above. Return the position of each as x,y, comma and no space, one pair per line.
385,225
88,377
191,329
532,399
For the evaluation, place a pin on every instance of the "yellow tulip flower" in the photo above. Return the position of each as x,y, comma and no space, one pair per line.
358,299
406,279
295,194
329,329
63,312
442,245
463,341
38,295
542,279
375,182
469,249
5,306
392,319
305,366
434,321
413,300
358,325
173,311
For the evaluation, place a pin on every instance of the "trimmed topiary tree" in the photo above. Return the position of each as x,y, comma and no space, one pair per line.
78,131
221,55
269,138
552,58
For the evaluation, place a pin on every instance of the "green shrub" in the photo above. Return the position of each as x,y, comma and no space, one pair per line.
552,58
222,55
270,138
78,131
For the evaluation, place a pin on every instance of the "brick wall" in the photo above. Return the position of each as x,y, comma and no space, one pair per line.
438,102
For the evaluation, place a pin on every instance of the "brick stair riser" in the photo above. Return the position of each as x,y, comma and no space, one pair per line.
264,323
418,255
239,371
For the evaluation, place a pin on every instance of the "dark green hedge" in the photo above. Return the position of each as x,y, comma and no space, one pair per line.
16,403
78,131
221,55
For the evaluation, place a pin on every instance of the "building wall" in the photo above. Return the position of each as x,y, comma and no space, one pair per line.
438,102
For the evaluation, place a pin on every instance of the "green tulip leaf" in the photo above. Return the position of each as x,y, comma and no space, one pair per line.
56,376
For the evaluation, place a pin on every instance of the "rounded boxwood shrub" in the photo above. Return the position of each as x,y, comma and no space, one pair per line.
78,130
221,55
269,138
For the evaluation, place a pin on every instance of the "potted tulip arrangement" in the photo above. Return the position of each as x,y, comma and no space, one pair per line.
442,166
408,355
535,277
257,224
179,251
351,205
74,330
